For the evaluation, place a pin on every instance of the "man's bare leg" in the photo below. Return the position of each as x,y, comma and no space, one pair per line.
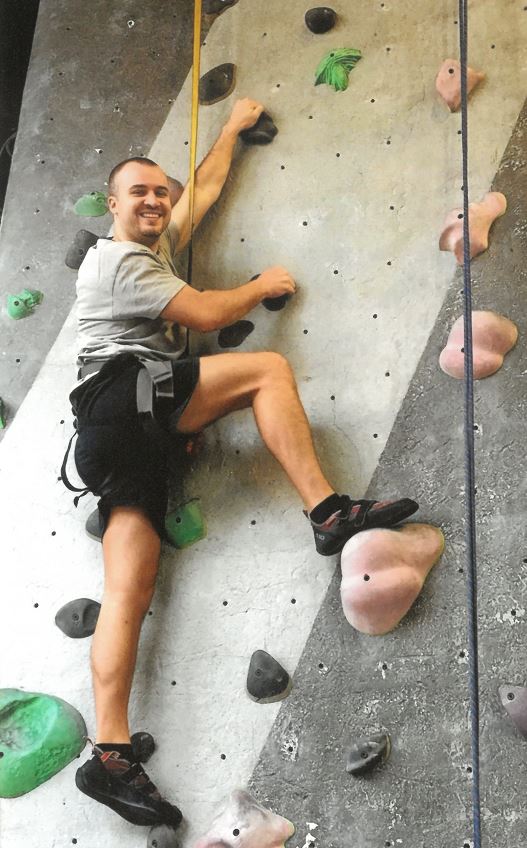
231,381
131,550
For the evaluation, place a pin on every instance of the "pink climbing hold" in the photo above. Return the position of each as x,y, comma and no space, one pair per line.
448,82
493,336
481,216
244,823
383,572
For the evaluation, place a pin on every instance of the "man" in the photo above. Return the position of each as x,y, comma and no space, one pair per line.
127,288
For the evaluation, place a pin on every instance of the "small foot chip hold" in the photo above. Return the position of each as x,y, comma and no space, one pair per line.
267,681
481,217
244,823
366,753
217,84
93,525
78,618
262,132
91,205
235,334
163,836
448,82
143,745
336,66
21,305
493,336
39,735
81,244
185,525
320,19
514,699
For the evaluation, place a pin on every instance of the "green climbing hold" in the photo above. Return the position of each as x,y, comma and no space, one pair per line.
185,525
39,736
335,67
91,205
2,414
21,305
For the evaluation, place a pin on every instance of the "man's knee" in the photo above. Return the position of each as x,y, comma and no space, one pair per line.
276,367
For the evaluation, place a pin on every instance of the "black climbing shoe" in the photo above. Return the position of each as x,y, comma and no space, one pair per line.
93,525
126,789
332,535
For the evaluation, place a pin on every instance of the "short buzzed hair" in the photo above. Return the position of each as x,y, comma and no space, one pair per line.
112,179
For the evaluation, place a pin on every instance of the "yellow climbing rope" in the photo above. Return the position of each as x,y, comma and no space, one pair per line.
196,55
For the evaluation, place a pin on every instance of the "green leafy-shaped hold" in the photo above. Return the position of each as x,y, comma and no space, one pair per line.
39,736
335,67
185,525
91,205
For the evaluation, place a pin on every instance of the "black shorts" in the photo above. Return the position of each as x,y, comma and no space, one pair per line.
118,460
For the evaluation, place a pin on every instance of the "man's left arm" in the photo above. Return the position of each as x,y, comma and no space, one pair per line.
213,171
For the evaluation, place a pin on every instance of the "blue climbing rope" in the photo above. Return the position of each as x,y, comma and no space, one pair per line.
470,477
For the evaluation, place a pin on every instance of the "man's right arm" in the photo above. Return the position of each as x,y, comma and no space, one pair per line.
211,310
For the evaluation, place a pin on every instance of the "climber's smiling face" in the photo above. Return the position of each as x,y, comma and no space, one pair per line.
140,204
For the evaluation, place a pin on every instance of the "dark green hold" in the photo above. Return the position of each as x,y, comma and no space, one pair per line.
217,84
267,681
81,244
39,736
320,19
262,132
78,618
163,836
367,753
235,334
143,745
185,525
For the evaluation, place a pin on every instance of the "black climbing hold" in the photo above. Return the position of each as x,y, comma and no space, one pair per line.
320,19
78,618
262,132
216,7
81,244
367,753
217,83
514,699
143,745
162,836
267,681
235,334
274,304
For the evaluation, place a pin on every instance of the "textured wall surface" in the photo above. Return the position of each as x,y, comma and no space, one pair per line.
357,376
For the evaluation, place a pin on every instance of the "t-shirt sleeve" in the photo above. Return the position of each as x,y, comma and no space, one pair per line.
173,237
142,287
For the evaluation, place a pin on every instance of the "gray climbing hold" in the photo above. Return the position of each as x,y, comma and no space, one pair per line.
262,132
320,19
235,334
93,525
216,7
162,836
514,699
217,83
267,681
143,745
78,618
367,753
81,244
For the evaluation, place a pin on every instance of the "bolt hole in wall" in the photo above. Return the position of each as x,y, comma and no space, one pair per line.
17,26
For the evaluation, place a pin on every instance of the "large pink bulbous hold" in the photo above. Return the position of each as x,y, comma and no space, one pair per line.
383,572
493,336
244,823
448,82
481,217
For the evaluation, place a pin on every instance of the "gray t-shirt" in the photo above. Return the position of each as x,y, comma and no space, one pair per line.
122,287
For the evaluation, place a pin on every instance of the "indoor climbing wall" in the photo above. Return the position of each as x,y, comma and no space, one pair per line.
350,196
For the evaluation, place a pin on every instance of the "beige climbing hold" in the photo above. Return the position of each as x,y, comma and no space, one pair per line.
448,82
383,572
244,823
481,216
493,336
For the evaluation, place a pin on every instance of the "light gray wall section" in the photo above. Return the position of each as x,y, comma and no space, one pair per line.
413,683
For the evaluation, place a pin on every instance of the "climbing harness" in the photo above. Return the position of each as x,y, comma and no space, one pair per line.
470,491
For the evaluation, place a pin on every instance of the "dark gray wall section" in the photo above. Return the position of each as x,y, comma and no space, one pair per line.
422,795
85,61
